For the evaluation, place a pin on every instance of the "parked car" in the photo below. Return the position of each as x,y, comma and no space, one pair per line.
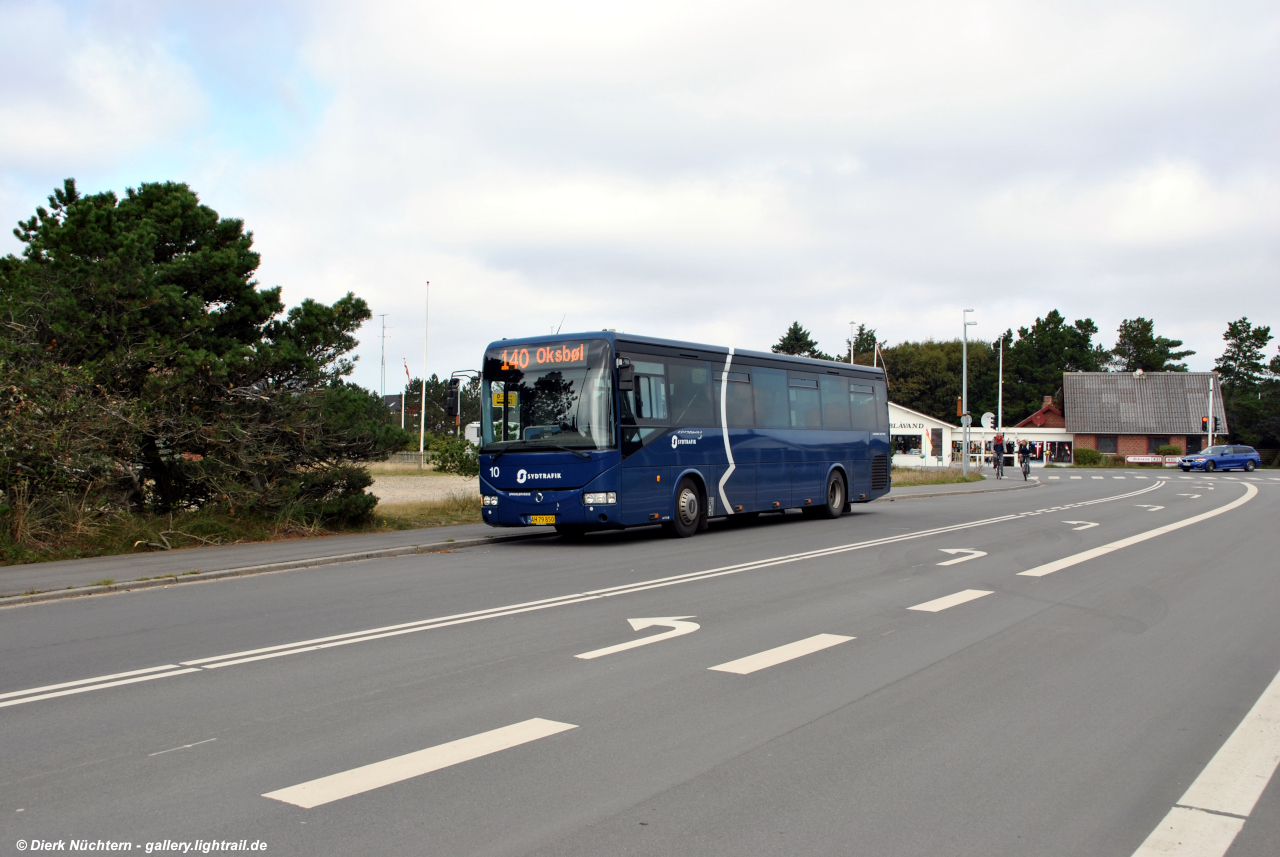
1221,458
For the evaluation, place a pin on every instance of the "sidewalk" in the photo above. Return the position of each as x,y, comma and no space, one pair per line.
162,568
990,484
44,576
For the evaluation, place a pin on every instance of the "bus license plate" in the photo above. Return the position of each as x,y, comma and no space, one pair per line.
542,519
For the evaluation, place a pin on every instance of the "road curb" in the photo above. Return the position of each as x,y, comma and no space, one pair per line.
266,568
335,559
889,498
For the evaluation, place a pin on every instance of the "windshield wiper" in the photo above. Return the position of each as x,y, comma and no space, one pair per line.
577,452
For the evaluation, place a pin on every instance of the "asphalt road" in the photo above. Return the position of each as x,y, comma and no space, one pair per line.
811,711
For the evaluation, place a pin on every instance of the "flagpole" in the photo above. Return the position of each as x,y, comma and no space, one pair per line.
422,414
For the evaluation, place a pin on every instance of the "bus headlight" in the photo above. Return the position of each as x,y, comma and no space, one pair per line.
488,500
599,499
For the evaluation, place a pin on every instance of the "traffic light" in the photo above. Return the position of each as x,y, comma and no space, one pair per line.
1204,425
451,400
1215,424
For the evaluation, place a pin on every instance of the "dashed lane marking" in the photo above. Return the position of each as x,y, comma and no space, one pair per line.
939,604
1084,556
781,654
315,793
369,634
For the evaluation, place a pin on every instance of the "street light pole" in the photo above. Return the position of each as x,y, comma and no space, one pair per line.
422,413
964,390
851,339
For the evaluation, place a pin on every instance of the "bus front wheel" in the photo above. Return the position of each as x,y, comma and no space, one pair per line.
688,513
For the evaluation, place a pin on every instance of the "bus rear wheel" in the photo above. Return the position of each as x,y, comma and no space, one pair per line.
837,497
688,512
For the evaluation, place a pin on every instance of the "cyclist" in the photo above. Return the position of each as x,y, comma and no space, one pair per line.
997,455
1024,457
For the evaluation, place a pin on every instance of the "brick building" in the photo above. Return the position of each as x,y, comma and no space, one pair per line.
1123,413
1047,417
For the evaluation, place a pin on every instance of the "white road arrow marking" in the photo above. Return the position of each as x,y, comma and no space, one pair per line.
972,554
1149,508
1084,525
1192,496
675,623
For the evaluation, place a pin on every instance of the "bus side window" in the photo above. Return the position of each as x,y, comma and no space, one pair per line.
648,399
738,406
806,405
835,402
769,390
862,401
689,393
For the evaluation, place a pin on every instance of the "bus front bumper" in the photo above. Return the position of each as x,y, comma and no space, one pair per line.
545,508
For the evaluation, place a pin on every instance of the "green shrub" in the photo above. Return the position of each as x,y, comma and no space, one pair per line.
1086,457
1168,449
455,455
334,495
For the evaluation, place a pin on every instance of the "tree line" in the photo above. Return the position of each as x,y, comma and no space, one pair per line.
143,368
926,375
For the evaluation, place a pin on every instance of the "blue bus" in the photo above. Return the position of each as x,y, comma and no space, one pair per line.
606,430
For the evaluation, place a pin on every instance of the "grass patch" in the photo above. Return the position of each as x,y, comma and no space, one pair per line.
73,534
458,508
106,581
907,476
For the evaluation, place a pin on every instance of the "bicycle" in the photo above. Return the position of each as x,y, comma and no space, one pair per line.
1026,467
998,460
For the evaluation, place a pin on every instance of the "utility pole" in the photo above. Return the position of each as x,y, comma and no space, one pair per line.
422,414
851,341
1000,394
382,386
1211,377
965,419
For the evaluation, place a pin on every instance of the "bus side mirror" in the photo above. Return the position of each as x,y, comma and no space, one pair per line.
626,378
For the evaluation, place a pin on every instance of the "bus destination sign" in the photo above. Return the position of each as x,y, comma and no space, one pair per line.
545,356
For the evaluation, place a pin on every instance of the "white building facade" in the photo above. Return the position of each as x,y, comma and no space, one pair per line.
919,440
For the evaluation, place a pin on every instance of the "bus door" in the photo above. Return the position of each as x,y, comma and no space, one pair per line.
645,423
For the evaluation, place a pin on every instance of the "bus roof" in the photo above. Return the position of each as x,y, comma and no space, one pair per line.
624,339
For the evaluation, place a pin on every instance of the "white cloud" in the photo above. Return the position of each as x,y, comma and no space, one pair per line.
716,170
82,98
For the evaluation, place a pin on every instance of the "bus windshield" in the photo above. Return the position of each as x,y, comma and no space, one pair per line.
540,397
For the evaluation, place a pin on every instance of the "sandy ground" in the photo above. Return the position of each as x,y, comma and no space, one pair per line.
418,489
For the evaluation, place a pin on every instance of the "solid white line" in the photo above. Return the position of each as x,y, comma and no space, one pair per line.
939,604
1075,559
299,646
86,681
1232,782
1191,833
357,780
1238,773
94,687
782,654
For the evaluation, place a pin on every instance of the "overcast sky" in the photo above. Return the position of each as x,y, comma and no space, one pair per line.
707,171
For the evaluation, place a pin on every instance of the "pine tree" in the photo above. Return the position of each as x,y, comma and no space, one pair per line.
797,341
1137,347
